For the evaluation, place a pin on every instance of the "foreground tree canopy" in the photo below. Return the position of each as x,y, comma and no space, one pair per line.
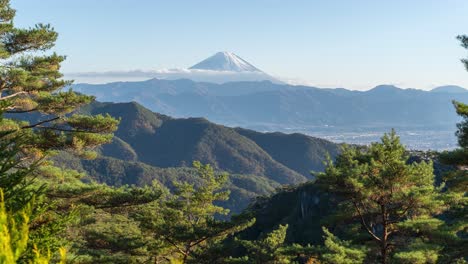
36,118
389,209
30,82
389,197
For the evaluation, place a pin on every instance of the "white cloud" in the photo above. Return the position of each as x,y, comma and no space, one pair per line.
170,74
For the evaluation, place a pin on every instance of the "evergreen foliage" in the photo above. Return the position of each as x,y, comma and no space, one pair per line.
185,221
30,83
456,184
394,201
341,252
265,250
31,87
388,207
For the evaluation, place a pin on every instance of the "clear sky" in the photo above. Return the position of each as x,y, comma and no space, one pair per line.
355,44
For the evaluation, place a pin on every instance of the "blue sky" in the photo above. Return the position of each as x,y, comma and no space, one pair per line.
331,43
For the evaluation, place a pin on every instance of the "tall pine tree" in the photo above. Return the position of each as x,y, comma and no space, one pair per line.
37,118
32,101
393,201
457,182
185,223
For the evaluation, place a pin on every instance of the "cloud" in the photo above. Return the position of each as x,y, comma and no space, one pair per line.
169,74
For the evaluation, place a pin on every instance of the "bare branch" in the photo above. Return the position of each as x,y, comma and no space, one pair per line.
175,245
40,123
12,95
21,111
363,221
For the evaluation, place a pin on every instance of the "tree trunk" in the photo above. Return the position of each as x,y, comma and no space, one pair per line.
187,253
384,242
384,253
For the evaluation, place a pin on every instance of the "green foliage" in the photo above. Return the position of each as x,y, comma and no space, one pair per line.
455,193
162,141
381,190
15,238
185,221
297,151
36,119
267,249
31,86
418,252
102,229
14,233
27,226
456,182
464,43
341,252
118,172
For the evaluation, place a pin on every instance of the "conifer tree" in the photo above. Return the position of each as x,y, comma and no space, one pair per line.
394,201
457,183
19,210
37,118
267,249
185,222
32,101
337,251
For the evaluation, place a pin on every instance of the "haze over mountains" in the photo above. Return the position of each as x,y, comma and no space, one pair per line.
222,67
268,106
227,89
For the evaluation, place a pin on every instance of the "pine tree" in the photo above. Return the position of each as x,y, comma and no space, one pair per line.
37,118
18,210
457,183
464,43
337,251
31,89
394,201
267,249
185,223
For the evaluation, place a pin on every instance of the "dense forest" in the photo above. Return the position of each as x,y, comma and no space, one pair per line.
80,182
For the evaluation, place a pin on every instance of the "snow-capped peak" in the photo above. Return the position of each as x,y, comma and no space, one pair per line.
225,61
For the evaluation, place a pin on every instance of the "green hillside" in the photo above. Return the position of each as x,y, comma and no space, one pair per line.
165,142
148,146
299,152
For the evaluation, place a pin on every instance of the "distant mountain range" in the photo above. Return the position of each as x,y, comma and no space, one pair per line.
222,67
449,89
163,141
271,106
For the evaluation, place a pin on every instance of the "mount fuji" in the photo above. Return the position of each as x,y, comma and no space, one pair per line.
225,61
222,67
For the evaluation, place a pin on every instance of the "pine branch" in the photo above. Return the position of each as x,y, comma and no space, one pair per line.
67,130
40,123
21,111
175,245
363,221
12,95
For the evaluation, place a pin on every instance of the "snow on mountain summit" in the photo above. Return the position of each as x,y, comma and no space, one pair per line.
225,61
222,67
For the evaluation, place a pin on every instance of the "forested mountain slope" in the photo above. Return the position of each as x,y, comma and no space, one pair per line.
162,141
151,147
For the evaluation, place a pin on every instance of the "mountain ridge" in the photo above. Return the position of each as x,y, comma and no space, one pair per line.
449,89
163,141
279,106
